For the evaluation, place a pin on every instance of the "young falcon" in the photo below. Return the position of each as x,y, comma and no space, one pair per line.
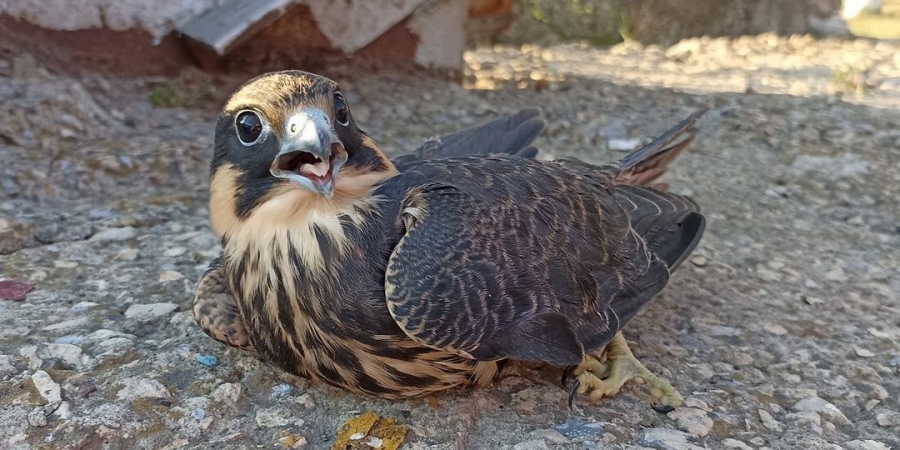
341,268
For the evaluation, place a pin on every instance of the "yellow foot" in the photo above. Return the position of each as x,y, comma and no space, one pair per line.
605,378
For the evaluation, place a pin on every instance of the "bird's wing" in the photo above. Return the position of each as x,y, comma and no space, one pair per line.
513,258
513,134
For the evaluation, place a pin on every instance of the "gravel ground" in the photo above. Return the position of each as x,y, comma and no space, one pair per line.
783,333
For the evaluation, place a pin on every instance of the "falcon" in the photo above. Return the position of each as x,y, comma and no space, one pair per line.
403,278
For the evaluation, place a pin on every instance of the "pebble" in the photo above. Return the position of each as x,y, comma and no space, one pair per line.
775,329
114,234
47,388
888,419
147,312
82,306
693,420
14,290
280,390
867,444
127,254
700,261
623,145
175,252
227,393
769,422
579,429
734,443
207,360
68,324
64,411
667,439
305,400
863,353
291,440
277,417
534,444
142,388
198,414
70,354
37,418
895,362
823,407
170,275
59,264
551,435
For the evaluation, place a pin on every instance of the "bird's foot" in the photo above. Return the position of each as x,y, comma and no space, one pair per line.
604,378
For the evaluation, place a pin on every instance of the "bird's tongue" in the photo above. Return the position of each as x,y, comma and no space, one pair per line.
318,169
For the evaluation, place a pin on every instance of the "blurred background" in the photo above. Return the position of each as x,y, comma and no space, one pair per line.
782,331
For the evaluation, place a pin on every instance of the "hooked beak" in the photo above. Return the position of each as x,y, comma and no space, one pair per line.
311,153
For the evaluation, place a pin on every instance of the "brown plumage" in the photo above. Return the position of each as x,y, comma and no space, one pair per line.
400,283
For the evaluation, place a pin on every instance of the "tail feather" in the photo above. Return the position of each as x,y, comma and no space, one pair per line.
647,164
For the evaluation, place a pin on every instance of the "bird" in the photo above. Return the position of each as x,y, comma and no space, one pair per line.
405,280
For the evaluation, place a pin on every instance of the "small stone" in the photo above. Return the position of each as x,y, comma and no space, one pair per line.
82,306
888,419
374,442
623,145
305,400
37,418
47,388
170,275
694,402
175,252
700,261
667,439
775,329
59,264
64,411
550,435
863,353
579,429
878,333
114,234
208,360
895,362
822,407
280,390
14,290
291,440
227,393
68,353
693,420
769,422
812,300
865,445
147,312
142,388
198,413
734,443
277,417
837,274
810,284
871,404
74,323
811,418
127,254
535,444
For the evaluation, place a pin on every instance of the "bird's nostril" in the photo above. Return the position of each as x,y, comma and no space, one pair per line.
293,128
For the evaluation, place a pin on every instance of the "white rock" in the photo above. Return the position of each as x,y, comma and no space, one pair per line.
865,445
734,443
64,412
667,439
693,420
127,254
822,407
227,392
623,145
30,352
65,264
175,252
150,311
888,419
48,388
775,329
67,325
769,422
83,306
142,388
70,354
534,444
277,417
114,234
170,275
863,353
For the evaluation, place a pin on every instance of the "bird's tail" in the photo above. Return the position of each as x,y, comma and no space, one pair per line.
646,164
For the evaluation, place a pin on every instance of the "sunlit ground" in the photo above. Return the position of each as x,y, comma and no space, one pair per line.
881,26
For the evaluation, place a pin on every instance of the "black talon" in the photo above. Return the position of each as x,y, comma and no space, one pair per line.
573,391
566,374
663,409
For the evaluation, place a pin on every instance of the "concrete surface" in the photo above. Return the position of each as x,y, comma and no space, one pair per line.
782,332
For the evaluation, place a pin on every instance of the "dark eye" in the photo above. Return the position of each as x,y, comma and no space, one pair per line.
341,113
249,127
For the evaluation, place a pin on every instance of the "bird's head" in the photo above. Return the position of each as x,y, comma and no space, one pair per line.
289,135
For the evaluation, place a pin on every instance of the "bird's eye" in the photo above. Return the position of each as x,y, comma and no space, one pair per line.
341,112
249,127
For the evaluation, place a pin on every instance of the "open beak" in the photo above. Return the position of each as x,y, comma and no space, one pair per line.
311,153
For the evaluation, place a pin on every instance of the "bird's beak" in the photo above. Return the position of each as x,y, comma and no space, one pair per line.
311,154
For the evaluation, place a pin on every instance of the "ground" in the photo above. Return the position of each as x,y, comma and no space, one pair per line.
783,331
